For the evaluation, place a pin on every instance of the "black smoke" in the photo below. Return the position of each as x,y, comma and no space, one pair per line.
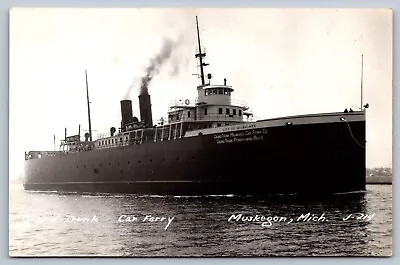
158,61
174,54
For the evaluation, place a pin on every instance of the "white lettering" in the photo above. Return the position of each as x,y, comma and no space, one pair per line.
169,222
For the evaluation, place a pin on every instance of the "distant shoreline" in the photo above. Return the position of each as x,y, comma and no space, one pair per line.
379,180
380,175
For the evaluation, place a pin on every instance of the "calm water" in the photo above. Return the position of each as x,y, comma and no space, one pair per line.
50,224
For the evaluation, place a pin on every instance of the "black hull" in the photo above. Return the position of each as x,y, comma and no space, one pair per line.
316,158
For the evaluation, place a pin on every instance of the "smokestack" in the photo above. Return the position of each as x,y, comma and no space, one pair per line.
126,113
145,110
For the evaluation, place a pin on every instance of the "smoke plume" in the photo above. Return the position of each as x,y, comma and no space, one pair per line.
134,84
158,61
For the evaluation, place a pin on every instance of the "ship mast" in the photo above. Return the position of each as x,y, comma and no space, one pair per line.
362,70
200,55
88,106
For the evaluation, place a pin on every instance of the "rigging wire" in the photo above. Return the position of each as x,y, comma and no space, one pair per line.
351,133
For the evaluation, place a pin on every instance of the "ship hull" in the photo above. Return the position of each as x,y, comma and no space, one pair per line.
309,158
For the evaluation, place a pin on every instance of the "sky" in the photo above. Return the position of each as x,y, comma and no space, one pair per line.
280,61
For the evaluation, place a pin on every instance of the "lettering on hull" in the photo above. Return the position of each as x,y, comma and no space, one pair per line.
241,136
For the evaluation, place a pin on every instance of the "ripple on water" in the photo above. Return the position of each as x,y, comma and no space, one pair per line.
200,227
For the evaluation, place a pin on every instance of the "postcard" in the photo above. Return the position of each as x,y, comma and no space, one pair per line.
200,132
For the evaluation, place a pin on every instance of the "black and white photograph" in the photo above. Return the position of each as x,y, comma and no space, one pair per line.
200,132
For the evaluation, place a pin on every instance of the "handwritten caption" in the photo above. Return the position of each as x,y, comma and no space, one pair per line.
124,218
268,221
148,218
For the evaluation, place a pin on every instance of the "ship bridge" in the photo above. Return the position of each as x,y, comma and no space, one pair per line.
213,106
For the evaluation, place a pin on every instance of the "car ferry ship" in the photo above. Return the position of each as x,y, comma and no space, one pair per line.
208,145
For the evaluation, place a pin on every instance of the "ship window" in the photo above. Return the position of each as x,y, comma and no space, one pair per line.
120,139
234,111
205,111
225,91
206,92
226,124
220,91
219,124
126,138
227,111
189,114
240,112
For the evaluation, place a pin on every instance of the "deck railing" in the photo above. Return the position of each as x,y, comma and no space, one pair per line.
183,103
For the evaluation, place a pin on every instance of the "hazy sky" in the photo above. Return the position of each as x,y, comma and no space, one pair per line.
280,61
